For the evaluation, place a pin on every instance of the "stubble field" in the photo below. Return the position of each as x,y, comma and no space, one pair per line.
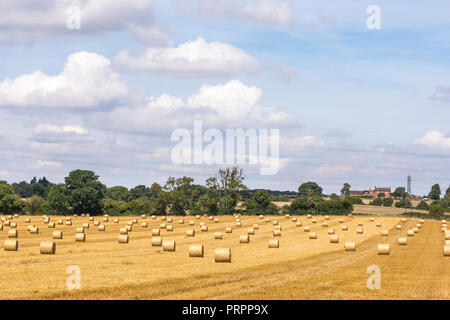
301,268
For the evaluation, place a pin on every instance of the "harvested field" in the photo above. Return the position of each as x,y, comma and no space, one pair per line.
299,269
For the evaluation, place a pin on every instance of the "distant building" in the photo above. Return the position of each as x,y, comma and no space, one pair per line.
371,192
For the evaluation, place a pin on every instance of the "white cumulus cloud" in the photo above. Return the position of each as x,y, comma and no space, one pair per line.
86,81
434,139
197,58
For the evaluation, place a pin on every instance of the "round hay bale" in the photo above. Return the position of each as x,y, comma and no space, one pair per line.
169,228
105,219
34,230
29,227
422,221
10,217
57,235
306,229
202,224
447,242
402,241
47,247
218,235
444,221
80,237
143,216
341,220
238,224
216,220
7,223
360,224
447,236
123,231
222,255
385,233
275,222
261,216
416,230
418,225
446,251
169,219
211,218
196,251
350,246
256,226
410,233
144,225
244,239
344,227
123,238
116,220
327,217
398,227
313,235
1,227
181,221
96,223
86,225
309,216
350,215
359,230
192,223
403,220
331,231
130,223
294,219
153,217
162,226
314,220
190,233
101,227
156,241
299,224
16,215
279,227
274,243
378,224
68,219
68,223
11,245
13,233
250,231
91,219
277,233
197,217
334,238
163,218
169,245
156,232
324,224
129,228
384,249
27,220
267,220
286,216
228,230
371,219
51,225
204,229
13,225
88,215
135,221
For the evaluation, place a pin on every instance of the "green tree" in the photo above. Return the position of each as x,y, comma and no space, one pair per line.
423,206
436,210
230,183
9,201
34,205
345,191
380,195
58,199
388,202
310,189
376,202
85,192
435,193
118,193
139,191
399,192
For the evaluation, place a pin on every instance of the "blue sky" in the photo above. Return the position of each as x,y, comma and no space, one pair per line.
362,106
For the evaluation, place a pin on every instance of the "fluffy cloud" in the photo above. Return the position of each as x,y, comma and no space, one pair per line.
197,58
259,11
86,81
25,21
435,140
60,129
232,105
